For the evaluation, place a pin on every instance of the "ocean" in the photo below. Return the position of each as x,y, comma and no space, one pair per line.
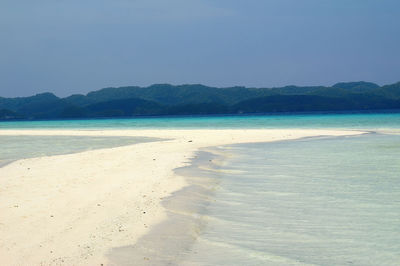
347,121
333,201
314,201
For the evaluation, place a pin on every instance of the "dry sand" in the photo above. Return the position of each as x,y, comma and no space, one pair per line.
72,209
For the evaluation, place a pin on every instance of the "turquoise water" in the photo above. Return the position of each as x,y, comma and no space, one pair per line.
324,201
21,147
319,202
375,121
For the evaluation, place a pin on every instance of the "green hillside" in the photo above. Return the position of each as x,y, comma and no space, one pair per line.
166,99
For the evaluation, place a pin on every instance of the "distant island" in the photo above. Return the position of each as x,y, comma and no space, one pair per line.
165,99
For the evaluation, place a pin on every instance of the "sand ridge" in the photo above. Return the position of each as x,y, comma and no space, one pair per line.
72,209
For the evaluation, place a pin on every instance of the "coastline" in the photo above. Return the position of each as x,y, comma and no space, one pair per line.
216,219
91,202
4,163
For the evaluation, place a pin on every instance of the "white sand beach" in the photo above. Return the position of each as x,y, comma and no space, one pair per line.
72,209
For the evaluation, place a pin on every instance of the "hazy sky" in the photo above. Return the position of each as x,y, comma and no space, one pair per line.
74,46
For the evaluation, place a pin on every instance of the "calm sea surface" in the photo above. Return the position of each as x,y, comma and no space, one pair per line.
371,121
310,202
323,201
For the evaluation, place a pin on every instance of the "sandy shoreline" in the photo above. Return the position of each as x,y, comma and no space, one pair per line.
72,209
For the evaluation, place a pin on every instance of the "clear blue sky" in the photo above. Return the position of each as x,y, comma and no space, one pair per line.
75,46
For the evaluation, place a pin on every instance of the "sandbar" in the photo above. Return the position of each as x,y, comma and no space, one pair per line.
72,209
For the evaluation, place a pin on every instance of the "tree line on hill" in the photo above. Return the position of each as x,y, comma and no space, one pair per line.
165,99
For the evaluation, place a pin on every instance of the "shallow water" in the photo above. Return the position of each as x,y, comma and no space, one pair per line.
22,147
325,201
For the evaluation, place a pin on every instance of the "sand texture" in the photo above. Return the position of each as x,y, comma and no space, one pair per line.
72,209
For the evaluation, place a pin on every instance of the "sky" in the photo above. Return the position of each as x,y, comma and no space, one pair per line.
76,46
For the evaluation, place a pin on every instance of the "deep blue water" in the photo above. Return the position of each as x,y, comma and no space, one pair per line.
351,121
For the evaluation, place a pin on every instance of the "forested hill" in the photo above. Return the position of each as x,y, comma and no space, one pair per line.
165,99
